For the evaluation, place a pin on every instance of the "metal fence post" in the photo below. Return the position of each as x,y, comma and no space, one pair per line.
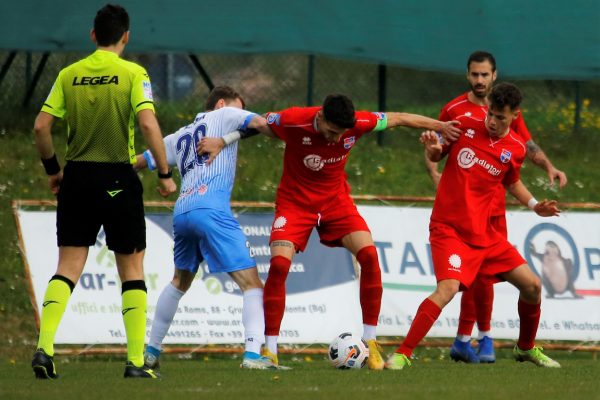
310,80
382,95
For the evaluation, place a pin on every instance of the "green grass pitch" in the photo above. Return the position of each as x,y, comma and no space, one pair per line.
432,376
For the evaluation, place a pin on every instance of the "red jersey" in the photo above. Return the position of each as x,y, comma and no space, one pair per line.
477,165
462,107
313,169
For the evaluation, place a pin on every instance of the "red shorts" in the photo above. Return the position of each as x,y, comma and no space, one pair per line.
295,224
455,259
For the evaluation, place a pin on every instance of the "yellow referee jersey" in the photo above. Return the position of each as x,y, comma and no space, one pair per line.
99,97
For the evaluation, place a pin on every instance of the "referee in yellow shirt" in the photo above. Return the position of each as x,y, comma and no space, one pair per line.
100,97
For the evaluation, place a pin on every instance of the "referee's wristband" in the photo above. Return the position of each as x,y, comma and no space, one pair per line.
168,175
532,203
51,165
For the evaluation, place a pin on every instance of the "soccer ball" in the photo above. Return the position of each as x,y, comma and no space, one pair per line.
348,351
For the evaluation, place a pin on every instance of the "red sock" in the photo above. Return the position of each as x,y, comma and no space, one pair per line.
370,284
274,294
529,315
484,302
466,319
427,314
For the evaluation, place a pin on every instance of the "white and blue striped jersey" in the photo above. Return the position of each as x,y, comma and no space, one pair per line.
204,186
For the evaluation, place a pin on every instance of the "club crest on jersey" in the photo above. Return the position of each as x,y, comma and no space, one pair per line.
505,156
273,118
314,162
349,142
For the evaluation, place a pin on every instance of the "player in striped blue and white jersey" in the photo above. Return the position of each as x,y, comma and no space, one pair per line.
204,227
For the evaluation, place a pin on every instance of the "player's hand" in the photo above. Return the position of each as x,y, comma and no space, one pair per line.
211,146
166,187
450,131
547,208
54,182
553,174
431,140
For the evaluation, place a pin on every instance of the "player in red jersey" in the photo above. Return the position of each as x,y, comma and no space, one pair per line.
464,244
477,302
314,193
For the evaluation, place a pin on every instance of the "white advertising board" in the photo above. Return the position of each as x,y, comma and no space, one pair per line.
322,289
549,244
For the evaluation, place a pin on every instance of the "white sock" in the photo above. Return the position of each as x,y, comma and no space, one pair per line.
484,333
464,338
369,332
271,342
253,318
165,311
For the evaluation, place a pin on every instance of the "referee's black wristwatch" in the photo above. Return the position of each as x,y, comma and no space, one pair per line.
168,175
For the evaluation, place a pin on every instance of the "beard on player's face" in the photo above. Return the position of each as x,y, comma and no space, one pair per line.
480,90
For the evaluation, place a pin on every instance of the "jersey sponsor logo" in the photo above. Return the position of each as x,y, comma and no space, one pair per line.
147,86
279,222
95,80
470,133
314,162
455,262
273,118
466,159
306,141
505,156
349,142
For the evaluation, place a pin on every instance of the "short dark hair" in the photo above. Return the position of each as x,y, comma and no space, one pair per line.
221,92
481,56
505,94
111,22
339,110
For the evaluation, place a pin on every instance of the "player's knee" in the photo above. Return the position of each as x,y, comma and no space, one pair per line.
182,280
446,291
532,290
247,279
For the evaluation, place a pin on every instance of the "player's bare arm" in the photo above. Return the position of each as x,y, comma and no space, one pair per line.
433,147
448,129
43,142
151,131
213,146
432,170
539,158
544,208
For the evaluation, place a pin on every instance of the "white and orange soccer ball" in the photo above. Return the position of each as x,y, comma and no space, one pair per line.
348,351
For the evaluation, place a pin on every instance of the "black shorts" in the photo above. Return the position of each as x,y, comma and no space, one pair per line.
101,194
